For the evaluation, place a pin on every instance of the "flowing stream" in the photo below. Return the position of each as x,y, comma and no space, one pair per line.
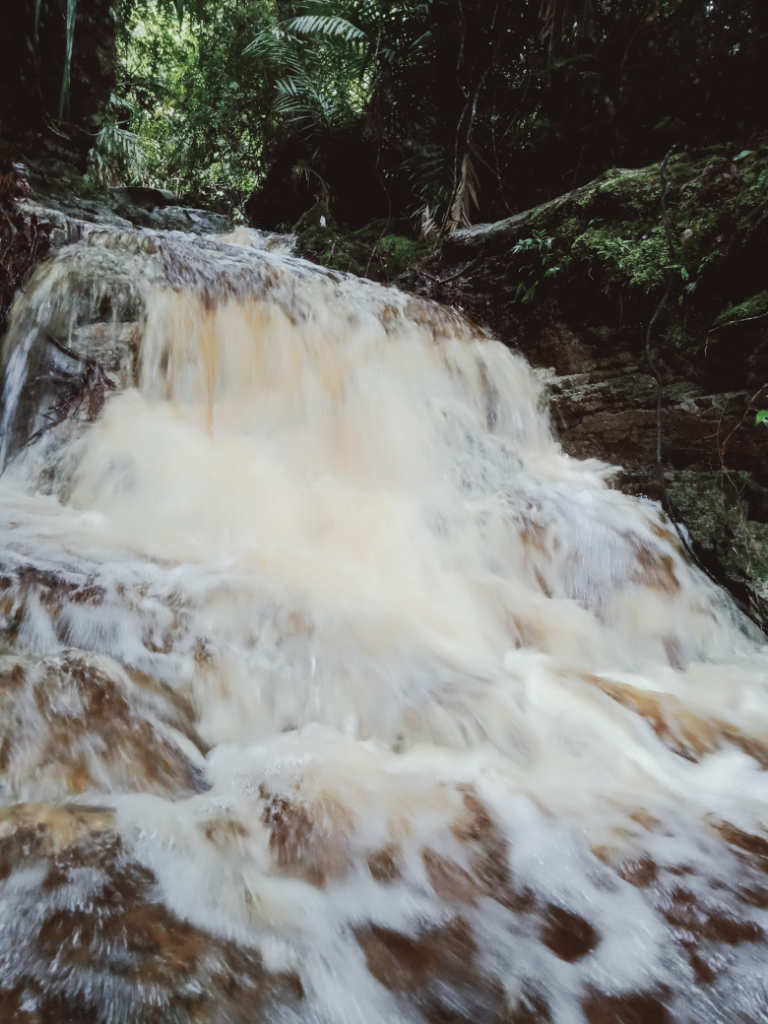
332,691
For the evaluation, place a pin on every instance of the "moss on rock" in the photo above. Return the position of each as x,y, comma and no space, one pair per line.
727,518
373,251
608,235
754,306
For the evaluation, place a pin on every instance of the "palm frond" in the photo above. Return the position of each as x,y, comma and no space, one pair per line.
66,81
427,228
271,43
328,25
118,154
464,198
38,8
428,172
302,170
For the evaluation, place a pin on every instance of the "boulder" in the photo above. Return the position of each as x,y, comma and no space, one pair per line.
142,196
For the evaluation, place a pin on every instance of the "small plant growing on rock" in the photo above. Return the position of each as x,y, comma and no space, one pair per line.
539,247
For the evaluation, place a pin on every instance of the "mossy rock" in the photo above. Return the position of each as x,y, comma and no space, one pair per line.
608,239
372,251
750,309
727,518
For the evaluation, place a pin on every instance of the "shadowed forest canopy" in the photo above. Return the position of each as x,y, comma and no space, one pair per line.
444,112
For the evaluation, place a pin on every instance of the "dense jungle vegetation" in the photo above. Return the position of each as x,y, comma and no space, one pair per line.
434,112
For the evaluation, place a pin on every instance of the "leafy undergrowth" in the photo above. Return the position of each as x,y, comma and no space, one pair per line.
608,239
375,251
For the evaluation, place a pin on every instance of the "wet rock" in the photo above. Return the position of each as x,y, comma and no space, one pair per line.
307,841
76,723
568,935
438,971
634,1008
86,936
143,197
61,198
726,514
206,223
25,237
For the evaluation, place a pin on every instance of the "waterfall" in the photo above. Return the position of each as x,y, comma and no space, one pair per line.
332,690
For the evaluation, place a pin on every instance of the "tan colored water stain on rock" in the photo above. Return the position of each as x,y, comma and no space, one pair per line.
678,726
384,864
488,853
753,845
450,881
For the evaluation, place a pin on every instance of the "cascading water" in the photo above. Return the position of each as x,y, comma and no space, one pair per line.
333,691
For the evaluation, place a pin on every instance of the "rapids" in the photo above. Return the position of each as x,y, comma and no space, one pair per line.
332,690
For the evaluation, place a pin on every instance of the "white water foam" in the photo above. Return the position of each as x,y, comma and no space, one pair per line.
446,674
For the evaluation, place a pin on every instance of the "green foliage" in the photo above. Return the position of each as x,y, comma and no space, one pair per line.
762,417
194,105
755,176
70,42
640,262
119,155
399,252
38,9
317,24
71,14
752,308
369,251
70,23
542,263
609,239
450,112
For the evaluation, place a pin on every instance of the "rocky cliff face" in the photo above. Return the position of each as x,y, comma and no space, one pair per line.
573,285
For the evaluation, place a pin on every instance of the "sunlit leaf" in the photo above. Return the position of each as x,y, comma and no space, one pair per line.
761,417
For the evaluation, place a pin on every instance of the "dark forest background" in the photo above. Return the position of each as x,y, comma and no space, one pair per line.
441,112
